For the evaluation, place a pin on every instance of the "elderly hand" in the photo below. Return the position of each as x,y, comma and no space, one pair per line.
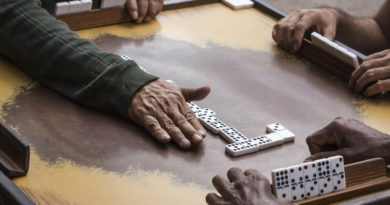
289,31
350,138
144,10
373,75
248,188
160,107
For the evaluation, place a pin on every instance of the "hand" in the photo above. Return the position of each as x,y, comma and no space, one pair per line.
248,188
160,107
289,31
350,138
144,10
373,75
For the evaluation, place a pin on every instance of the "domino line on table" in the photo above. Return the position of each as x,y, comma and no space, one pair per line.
239,143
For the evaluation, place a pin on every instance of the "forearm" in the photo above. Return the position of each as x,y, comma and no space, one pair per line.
50,53
362,34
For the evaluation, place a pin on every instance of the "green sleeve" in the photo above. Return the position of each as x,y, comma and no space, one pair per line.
58,58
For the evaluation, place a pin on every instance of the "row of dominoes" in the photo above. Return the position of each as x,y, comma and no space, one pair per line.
238,4
240,144
333,48
70,7
309,179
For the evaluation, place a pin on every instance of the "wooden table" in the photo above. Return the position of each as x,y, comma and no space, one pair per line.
83,156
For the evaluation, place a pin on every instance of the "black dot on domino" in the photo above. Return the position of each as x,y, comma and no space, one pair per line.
284,195
294,198
322,191
311,188
325,185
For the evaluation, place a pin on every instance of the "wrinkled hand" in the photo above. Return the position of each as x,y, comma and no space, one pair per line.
160,107
289,31
144,10
248,188
373,75
350,138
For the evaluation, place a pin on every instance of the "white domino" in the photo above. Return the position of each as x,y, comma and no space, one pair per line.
232,135
295,174
311,179
195,108
281,184
334,49
241,148
238,4
272,140
62,8
338,182
279,129
111,3
324,177
75,7
86,5
337,172
205,112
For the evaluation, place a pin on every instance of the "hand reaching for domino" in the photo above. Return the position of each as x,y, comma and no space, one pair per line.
350,138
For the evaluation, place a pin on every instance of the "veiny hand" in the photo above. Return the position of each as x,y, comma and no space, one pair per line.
160,107
248,188
350,138
289,31
144,10
373,75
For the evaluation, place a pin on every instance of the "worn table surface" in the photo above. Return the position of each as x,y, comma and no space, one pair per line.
83,156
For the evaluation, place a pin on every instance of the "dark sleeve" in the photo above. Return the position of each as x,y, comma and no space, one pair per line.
58,58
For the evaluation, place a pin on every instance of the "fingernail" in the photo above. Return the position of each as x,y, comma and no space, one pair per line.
147,19
185,143
165,138
139,20
197,139
134,15
203,133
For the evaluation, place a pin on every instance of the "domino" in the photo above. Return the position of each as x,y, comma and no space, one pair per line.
338,182
232,135
281,184
238,4
86,5
311,180
195,108
241,148
62,8
295,174
205,112
334,49
111,3
336,165
324,177
213,124
275,127
75,7
287,135
271,140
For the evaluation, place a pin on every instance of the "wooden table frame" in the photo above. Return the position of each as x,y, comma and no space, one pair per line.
326,61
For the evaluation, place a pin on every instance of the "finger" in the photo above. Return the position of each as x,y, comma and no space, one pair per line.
371,76
152,10
213,199
365,67
291,41
328,154
132,8
321,139
301,27
377,55
153,126
192,119
235,174
195,94
142,10
175,133
221,185
253,172
184,126
377,88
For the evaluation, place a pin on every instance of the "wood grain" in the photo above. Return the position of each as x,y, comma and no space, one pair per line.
103,17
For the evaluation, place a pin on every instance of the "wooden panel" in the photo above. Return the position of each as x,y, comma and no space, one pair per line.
102,17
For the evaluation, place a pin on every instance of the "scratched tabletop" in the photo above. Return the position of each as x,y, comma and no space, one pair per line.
83,156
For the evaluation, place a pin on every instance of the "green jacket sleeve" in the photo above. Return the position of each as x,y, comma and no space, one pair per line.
58,58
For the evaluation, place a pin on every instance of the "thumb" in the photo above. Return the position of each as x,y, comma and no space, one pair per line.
327,154
193,94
